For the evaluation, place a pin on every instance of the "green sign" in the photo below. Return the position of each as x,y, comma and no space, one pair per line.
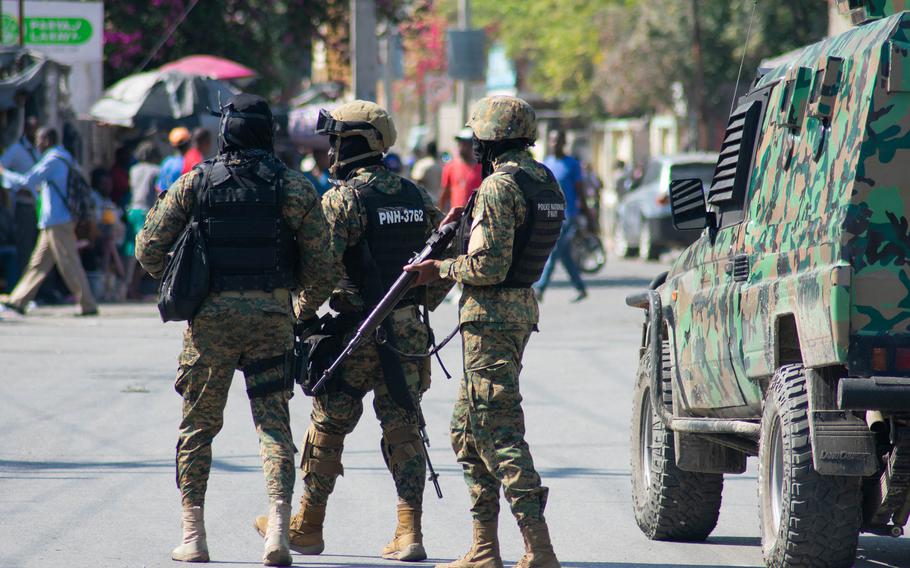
48,31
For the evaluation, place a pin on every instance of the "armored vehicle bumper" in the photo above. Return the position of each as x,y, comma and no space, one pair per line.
874,393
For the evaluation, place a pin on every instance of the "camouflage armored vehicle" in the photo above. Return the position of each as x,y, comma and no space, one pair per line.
783,332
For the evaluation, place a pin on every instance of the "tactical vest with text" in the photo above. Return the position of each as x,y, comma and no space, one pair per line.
249,244
537,236
397,226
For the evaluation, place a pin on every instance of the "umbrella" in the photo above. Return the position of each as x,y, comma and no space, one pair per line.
160,99
302,126
210,66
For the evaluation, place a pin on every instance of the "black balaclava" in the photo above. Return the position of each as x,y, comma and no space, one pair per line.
351,146
485,151
246,124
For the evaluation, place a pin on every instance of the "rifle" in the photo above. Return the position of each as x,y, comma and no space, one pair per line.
425,438
436,244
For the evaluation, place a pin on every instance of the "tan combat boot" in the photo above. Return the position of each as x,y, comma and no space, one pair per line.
484,551
193,548
305,532
407,545
538,550
277,548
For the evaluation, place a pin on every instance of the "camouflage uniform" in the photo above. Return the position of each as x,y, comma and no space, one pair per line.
336,414
261,328
487,423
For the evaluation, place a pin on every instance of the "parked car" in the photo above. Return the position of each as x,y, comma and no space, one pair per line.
643,224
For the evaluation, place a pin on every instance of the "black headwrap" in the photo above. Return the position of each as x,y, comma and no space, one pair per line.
485,151
246,124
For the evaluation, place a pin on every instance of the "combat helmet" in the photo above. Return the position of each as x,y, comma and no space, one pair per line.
503,118
358,118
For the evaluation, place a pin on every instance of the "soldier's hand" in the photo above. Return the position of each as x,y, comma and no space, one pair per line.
427,271
453,215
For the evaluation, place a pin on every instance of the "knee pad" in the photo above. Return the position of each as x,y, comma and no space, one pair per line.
400,445
322,453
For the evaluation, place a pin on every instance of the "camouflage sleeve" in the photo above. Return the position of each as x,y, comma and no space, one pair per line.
344,225
487,262
164,223
438,290
315,271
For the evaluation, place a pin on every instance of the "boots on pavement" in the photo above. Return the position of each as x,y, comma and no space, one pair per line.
277,548
484,552
193,548
305,532
538,549
407,544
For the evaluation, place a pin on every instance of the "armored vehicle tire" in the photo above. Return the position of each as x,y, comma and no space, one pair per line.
669,503
807,519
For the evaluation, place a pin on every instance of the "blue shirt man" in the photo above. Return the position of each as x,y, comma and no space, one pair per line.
567,172
172,166
56,244
20,156
49,176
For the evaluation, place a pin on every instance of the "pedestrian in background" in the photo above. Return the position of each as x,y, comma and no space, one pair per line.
20,156
57,237
283,247
202,145
427,171
172,166
512,222
9,265
143,177
120,176
461,175
571,180
316,169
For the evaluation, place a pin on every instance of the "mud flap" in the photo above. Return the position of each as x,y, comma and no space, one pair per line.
841,444
696,454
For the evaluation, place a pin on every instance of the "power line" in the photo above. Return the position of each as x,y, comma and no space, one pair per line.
167,36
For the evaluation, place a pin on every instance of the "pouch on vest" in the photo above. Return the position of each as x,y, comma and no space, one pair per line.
185,283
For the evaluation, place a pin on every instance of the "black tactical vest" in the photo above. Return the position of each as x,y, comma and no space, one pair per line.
249,244
537,236
397,226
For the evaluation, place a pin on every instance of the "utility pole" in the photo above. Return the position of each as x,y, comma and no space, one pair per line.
699,90
21,23
461,86
388,50
364,49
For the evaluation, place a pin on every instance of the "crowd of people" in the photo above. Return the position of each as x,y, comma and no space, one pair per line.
99,263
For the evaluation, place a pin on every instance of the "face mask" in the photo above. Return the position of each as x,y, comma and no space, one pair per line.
477,149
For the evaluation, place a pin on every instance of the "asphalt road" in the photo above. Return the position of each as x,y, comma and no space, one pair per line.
88,421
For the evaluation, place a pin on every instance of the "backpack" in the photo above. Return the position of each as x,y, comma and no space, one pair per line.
78,197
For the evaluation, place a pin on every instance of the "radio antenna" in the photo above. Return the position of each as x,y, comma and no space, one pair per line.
743,60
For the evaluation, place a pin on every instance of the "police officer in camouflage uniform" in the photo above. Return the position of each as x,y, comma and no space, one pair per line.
265,235
510,225
377,220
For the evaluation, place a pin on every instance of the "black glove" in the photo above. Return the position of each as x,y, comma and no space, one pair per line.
307,327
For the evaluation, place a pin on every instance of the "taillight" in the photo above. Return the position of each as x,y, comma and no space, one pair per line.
663,199
902,359
879,359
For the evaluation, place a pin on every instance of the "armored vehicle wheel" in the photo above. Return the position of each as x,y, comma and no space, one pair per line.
669,503
807,519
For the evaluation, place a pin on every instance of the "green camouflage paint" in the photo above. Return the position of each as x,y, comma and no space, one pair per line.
825,232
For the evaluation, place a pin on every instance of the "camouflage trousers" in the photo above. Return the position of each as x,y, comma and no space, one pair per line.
214,345
336,414
488,424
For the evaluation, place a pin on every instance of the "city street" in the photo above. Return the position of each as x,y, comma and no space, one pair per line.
88,423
